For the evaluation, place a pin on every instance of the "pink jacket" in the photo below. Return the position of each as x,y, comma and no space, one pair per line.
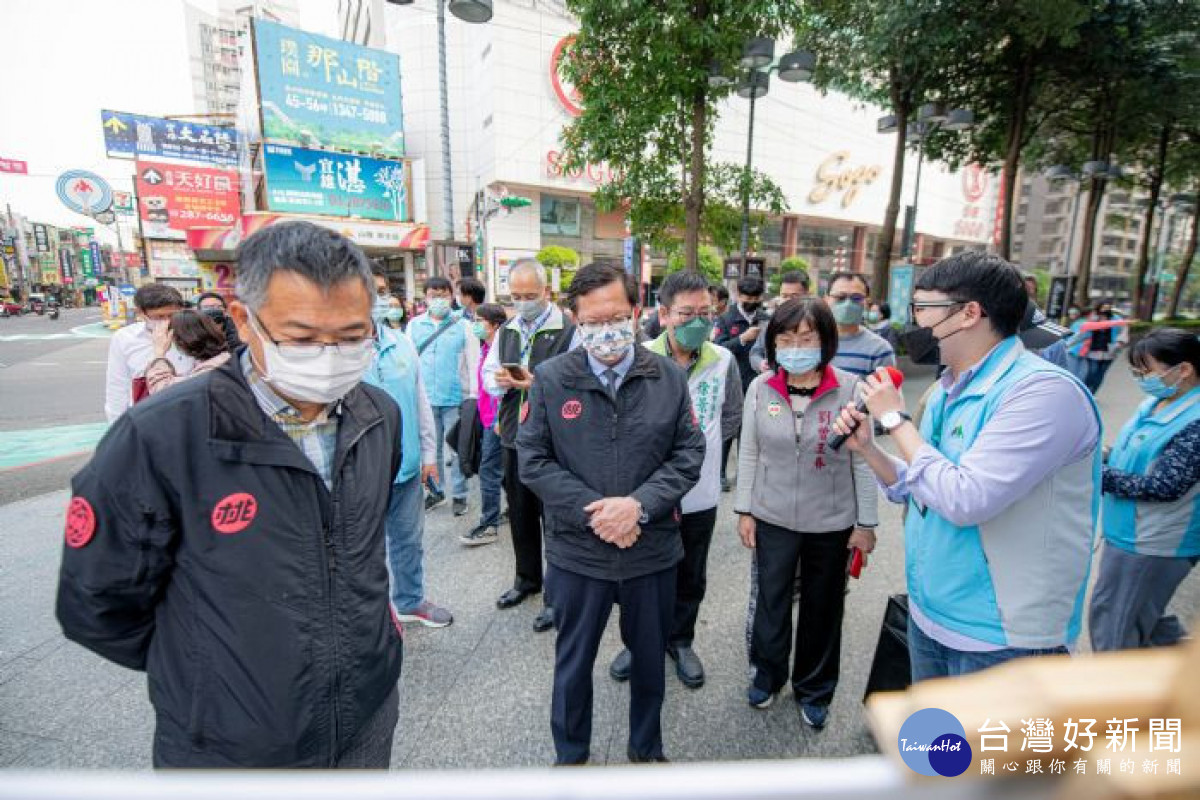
487,404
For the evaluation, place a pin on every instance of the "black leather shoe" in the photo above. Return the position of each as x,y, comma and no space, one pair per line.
544,621
687,666
514,597
636,759
621,666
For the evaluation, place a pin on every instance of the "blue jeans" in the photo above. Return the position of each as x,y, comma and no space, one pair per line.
491,476
1094,372
445,417
1077,366
931,659
405,528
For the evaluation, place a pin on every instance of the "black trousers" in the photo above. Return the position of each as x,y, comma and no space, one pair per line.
525,522
726,447
822,558
582,606
691,580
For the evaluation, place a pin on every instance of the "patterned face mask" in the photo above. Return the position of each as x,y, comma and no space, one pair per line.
607,341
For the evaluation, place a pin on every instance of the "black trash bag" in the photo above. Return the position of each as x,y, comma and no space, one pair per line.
891,670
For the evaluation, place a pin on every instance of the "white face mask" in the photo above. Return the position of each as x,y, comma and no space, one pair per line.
322,378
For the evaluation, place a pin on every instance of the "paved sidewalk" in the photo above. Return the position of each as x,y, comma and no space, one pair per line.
475,694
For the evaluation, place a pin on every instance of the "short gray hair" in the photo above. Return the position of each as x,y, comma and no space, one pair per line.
532,266
321,255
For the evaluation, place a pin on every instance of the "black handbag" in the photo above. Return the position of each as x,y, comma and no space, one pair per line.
891,671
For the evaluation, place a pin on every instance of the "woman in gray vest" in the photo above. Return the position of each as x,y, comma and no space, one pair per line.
800,503
1151,516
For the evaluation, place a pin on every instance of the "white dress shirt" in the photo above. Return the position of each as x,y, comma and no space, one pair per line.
129,353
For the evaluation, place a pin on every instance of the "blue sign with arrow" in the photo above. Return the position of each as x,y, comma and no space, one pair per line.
136,136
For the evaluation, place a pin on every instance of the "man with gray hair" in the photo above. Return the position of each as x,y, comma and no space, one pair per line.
538,332
228,536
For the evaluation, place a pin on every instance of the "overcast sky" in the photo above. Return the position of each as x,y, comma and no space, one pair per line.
64,60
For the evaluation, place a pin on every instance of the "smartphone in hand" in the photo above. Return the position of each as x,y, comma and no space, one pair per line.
854,563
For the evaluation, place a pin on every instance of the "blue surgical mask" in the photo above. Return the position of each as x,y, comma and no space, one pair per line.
439,307
382,304
848,312
798,360
1156,387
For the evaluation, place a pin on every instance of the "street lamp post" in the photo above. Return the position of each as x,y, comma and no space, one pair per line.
930,117
475,12
758,59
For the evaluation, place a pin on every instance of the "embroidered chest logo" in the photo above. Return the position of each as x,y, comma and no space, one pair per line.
774,408
957,433
81,523
234,513
572,409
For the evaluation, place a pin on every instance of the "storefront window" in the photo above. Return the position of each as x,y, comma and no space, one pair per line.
560,216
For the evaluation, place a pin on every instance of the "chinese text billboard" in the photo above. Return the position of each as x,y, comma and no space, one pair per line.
336,184
173,198
334,93
136,136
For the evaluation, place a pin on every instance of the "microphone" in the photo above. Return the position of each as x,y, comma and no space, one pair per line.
837,440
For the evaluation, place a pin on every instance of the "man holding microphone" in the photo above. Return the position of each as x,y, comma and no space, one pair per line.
1002,478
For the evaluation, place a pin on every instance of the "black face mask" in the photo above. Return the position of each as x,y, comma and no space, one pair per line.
750,308
215,314
923,347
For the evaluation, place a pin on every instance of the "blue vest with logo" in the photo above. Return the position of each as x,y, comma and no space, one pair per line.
395,370
1156,529
440,359
1017,579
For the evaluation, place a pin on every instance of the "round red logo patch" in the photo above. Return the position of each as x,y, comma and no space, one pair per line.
234,513
572,409
81,522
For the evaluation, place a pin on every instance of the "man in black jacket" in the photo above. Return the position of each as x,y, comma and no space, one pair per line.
228,535
611,446
737,330
537,332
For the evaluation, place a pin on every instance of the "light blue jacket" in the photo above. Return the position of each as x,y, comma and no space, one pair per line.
396,370
1017,579
1155,529
449,362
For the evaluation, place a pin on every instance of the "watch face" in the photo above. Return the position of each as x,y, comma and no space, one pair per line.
891,419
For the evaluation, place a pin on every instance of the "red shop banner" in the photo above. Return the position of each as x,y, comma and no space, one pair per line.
173,198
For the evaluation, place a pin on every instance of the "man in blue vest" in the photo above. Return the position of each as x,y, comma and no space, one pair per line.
449,358
1002,479
397,370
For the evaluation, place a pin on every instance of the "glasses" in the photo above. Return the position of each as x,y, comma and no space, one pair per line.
918,305
310,350
854,298
1139,373
619,322
686,315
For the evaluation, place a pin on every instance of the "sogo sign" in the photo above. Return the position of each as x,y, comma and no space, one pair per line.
572,102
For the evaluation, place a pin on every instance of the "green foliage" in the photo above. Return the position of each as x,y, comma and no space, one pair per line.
564,259
789,264
556,256
711,265
642,67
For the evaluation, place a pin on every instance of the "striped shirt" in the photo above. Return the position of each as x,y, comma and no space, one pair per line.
316,439
863,353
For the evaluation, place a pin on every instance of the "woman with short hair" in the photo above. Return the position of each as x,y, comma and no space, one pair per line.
194,334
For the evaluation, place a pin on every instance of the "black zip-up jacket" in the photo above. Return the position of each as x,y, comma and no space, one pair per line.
547,344
727,332
204,548
575,447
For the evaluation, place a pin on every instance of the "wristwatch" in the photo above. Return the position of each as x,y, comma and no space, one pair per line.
894,419
643,516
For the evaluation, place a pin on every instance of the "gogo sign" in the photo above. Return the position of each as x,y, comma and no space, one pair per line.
566,92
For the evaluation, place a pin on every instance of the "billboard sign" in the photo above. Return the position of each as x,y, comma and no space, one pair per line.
336,184
83,192
136,136
173,198
313,89
123,203
14,166
172,260
66,262
41,238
